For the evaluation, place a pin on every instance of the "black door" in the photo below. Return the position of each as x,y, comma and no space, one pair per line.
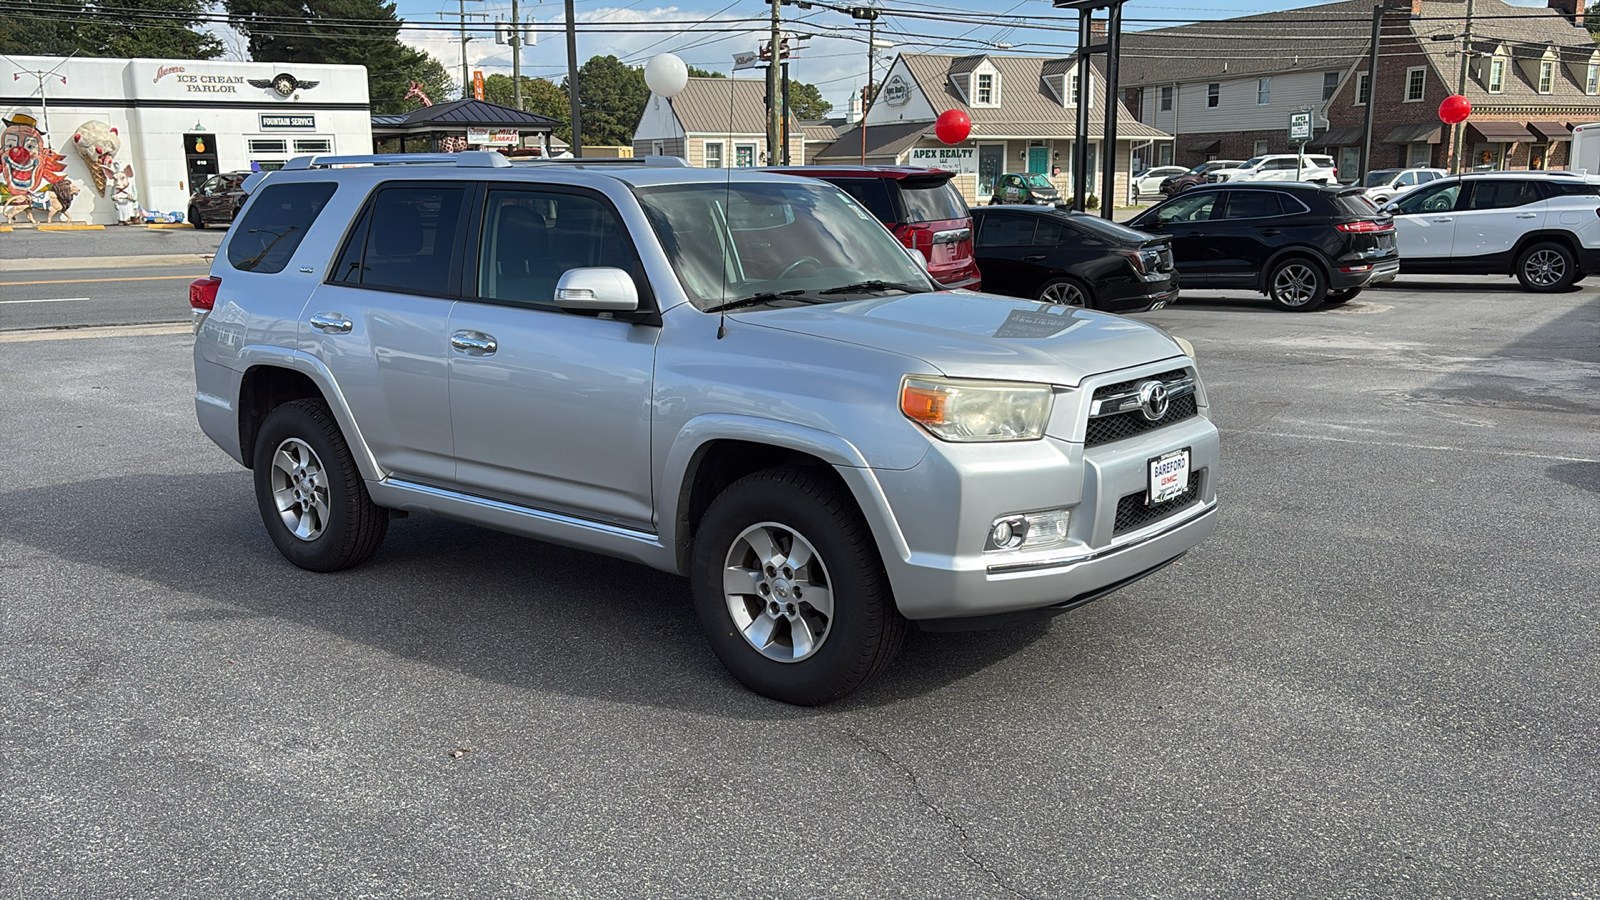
1251,227
1004,242
205,199
1186,219
200,157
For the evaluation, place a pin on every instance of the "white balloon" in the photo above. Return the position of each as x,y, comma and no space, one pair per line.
666,75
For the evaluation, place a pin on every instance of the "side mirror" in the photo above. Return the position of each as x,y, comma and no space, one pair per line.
597,289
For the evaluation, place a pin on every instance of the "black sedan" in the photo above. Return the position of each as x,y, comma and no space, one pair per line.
1303,245
1072,258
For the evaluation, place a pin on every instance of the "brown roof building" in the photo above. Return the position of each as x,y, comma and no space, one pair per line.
714,122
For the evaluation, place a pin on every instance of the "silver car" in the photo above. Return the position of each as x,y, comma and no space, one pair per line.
742,378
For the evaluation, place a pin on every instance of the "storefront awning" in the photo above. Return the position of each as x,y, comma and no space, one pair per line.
1499,132
1338,137
1551,131
1206,147
1414,134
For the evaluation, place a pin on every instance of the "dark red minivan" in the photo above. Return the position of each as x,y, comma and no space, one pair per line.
920,206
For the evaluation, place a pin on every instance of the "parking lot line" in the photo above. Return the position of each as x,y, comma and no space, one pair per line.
1524,454
48,300
69,334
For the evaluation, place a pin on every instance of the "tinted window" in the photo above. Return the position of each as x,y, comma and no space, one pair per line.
1434,198
1006,231
1252,205
1048,234
412,238
1425,177
873,193
1349,204
1187,208
1501,194
929,202
531,238
1572,188
277,221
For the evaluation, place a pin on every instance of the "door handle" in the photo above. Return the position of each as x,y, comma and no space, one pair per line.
474,343
1445,219
1034,257
1270,232
1527,215
331,322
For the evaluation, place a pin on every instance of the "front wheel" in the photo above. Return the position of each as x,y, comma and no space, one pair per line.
1297,284
790,590
1335,298
311,495
1547,267
194,218
1065,292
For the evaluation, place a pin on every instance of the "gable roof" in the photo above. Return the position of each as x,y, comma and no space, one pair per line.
1527,38
460,113
1028,107
882,141
724,106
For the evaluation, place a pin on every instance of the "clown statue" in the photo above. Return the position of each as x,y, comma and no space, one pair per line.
27,164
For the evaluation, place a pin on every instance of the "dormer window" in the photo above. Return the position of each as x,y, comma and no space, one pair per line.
1497,75
984,95
985,85
1073,91
1591,79
1547,75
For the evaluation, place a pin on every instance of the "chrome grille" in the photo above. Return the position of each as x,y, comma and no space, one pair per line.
1134,513
1116,413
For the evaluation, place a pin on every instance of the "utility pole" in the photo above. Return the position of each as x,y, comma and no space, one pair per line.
516,55
871,16
42,75
1372,79
572,83
774,111
1460,128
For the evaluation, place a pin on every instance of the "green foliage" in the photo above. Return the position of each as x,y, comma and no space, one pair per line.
161,29
342,32
611,97
539,95
697,72
805,101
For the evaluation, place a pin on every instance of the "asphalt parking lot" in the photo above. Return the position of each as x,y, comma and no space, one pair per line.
1377,679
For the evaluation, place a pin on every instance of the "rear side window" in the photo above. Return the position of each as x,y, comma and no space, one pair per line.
1501,194
266,238
1006,231
1252,205
1353,205
928,201
873,193
406,240
1573,188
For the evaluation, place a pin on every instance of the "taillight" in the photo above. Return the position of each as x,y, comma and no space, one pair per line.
1364,226
916,237
1135,259
203,292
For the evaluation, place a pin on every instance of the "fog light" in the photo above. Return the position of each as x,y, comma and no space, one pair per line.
1027,531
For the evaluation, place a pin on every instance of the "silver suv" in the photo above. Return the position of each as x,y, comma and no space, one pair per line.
738,377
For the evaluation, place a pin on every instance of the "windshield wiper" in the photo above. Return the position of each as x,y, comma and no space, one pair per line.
753,300
862,287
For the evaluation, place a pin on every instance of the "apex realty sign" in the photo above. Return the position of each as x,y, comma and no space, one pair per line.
960,160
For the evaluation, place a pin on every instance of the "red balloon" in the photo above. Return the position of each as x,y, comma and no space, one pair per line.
1454,108
953,126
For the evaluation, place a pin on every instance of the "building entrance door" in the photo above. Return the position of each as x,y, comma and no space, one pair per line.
1039,160
991,165
200,158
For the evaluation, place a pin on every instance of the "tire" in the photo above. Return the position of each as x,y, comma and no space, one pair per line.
802,654
1334,298
1066,292
1547,267
1297,284
1136,197
326,521
195,220
1181,189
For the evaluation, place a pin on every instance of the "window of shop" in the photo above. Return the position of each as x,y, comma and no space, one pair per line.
1547,73
1416,83
1213,94
713,155
1330,84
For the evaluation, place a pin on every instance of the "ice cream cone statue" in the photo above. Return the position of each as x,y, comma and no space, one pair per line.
98,144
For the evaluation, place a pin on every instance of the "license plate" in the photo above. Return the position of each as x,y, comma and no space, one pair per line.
1169,476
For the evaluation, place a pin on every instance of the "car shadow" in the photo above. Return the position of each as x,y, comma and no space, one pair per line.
463,598
1246,302
1585,475
1477,286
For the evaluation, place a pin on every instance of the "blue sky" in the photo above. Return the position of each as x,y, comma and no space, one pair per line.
837,66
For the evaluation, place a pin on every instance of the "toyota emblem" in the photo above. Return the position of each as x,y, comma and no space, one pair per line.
1153,400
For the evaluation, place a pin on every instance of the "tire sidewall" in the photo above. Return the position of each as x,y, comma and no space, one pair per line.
1567,279
856,580
1317,296
194,218
331,550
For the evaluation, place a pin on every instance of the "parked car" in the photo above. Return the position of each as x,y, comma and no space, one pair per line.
919,206
1541,227
1198,175
1025,187
1316,168
217,201
735,376
1073,258
1148,183
1303,245
1384,185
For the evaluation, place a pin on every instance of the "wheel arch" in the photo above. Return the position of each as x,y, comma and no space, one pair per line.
1546,236
263,389
1310,253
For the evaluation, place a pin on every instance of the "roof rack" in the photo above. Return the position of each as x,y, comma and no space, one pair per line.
466,159
666,162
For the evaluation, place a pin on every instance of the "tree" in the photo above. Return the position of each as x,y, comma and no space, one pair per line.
539,95
697,72
805,101
611,98
342,32
164,29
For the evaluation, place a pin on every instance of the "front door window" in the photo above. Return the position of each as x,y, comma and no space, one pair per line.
991,162
744,155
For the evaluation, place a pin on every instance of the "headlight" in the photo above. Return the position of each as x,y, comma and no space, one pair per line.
961,410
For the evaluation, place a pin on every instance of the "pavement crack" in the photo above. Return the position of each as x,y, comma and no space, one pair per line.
963,840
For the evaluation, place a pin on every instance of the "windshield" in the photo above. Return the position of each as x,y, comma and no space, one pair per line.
1382,176
1038,181
1252,163
732,241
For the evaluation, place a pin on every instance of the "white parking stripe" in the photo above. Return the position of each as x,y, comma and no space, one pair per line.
48,300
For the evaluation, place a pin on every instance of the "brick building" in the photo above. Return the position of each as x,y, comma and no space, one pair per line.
1226,88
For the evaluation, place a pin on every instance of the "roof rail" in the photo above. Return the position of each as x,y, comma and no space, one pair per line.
666,162
486,159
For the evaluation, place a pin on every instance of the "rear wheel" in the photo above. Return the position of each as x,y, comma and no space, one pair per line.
1065,292
194,218
1547,267
1335,298
790,590
311,495
1297,284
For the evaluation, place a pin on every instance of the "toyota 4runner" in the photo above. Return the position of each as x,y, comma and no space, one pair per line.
738,377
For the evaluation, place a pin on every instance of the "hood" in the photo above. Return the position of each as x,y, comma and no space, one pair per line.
968,335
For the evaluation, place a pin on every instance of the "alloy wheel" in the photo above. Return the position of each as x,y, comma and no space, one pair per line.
1063,293
300,489
1294,284
1545,267
778,592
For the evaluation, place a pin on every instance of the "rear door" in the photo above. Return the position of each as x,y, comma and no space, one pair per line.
1494,214
933,205
1004,243
1425,218
1249,229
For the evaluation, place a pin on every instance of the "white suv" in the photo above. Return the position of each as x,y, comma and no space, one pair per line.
1544,228
1383,185
1316,168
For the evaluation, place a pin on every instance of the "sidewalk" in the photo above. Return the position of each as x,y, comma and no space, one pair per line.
114,248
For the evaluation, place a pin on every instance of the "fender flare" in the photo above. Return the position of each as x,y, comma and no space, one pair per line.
256,356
